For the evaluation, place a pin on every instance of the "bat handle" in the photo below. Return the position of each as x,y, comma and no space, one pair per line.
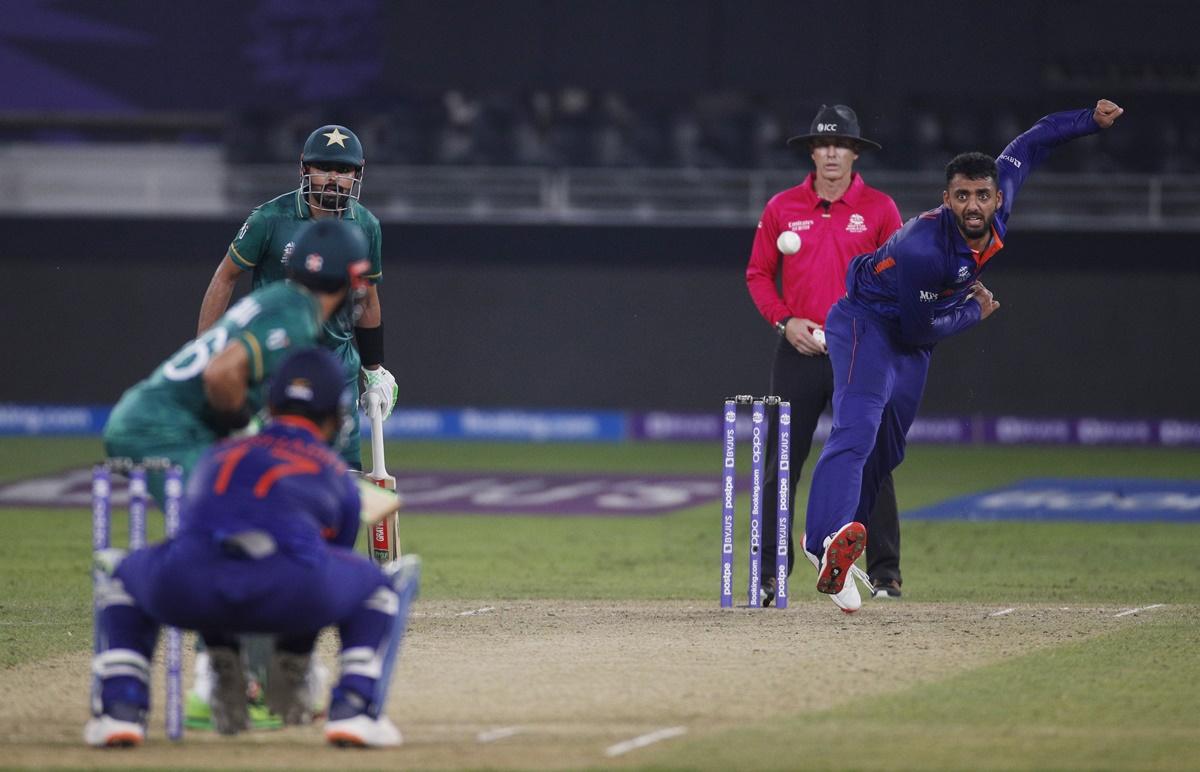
375,414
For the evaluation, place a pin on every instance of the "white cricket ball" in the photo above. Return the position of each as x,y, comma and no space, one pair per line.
788,242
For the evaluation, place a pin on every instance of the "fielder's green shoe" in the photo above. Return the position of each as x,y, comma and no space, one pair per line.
198,715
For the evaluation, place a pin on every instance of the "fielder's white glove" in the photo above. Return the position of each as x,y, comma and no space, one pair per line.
379,381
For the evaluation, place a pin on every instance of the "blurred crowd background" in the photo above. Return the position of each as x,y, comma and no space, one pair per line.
568,188
579,127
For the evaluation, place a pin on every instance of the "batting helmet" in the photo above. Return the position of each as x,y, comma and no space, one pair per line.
329,255
329,148
334,145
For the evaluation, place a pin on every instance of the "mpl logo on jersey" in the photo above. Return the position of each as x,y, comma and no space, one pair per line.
1101,500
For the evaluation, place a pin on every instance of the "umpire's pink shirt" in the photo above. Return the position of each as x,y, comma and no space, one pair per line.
815,277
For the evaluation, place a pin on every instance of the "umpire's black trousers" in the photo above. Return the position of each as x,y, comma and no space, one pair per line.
807,383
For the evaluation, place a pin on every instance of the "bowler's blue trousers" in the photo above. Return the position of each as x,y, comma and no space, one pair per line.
877,387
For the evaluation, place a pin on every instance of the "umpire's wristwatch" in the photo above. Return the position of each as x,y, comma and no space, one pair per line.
781,325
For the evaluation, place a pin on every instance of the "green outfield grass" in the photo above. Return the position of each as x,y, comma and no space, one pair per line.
1126,700
1122,700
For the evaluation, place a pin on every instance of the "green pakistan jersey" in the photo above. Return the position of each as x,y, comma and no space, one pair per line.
265,242
169,407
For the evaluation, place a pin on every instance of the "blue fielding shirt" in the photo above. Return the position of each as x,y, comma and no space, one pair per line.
285,481
919,281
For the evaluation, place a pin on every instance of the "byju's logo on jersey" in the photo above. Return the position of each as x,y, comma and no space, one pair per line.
288,249
857,224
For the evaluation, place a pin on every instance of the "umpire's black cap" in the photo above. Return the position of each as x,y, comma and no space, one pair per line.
310,382
836,121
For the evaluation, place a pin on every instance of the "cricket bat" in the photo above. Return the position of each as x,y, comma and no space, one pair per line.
385,532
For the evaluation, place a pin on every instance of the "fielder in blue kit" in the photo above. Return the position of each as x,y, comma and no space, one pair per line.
265,545
920,287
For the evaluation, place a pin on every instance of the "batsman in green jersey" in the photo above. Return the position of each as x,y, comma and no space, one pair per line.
331,170
214,384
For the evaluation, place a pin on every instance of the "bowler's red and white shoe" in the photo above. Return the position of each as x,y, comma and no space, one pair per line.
841,550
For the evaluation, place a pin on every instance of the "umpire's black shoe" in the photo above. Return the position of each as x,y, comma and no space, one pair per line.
767,590
885,588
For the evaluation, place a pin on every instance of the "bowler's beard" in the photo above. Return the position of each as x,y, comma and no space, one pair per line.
975,233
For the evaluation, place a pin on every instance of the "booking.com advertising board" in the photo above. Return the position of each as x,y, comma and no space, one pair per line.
530,425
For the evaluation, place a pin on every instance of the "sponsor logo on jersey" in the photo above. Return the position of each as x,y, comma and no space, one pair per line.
857,224
242,232
928,296
288,249
1014,161
277,339
800,225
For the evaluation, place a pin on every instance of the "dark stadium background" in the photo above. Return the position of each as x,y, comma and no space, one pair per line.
627,309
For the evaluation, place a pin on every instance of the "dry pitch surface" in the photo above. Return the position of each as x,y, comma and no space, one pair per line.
554,684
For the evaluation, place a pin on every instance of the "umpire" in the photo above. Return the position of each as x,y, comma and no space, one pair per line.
836,216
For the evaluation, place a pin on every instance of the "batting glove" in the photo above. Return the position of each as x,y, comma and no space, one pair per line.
381,382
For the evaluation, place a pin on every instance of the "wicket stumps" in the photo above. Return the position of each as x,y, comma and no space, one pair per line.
759,425
102,539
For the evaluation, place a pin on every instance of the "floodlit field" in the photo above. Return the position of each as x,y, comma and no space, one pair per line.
543,642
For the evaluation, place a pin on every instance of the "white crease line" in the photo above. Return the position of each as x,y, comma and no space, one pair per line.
483,610
644,740
497,734
1002,613
1136,610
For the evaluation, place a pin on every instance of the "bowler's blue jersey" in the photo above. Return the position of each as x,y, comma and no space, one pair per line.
920,280
284,481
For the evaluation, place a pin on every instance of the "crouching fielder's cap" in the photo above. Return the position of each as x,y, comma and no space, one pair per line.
309,382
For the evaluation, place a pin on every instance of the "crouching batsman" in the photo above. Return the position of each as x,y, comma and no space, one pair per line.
920,287
265,545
